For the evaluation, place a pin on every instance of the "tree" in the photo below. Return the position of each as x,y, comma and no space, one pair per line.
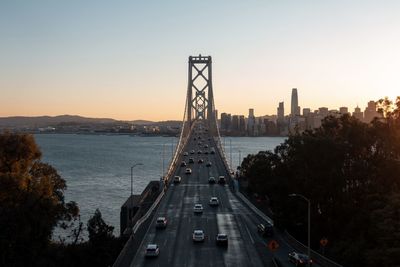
349,170
99,231
31,201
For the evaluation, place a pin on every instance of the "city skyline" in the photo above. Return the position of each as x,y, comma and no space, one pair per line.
128,61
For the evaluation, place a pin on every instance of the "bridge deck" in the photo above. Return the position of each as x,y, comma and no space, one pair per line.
232,217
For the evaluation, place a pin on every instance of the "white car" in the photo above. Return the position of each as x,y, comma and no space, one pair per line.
214,201
198,236
188,171
152,250
198,208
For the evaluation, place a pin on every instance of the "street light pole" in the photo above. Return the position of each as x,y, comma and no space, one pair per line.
133,166
230,151
309,223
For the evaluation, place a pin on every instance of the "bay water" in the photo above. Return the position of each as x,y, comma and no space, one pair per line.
97,168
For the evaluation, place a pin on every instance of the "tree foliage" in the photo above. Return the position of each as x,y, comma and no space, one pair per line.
32,204
31,200
350,171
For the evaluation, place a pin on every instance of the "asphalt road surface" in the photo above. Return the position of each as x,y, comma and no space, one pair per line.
232,217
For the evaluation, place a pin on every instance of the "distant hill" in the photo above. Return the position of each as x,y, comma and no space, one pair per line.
41,121
141,122
44,121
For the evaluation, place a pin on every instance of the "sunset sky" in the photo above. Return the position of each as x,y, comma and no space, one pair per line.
128,59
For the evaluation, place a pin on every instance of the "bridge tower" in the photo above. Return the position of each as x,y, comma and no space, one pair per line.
200,98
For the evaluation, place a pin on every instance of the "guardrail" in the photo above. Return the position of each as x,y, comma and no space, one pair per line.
124,250
322,260
174,162
255,209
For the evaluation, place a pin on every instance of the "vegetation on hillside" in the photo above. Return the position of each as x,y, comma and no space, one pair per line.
351,173
32,204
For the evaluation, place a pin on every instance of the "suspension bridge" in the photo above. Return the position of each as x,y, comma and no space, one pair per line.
199,155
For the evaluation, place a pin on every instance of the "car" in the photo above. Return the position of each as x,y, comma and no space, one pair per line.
152,250
200,161
206,152
265,229
221,240
185,153
212,151
183,164
194,139
199,152
188,171
213,201
299,259
161,222
191,160
177,179
198,236
211,180
205,146
209,164
221,179
191,151
198,208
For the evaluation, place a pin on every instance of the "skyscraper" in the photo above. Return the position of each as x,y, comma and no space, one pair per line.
295,109
370,112
358,114
251,121
281,112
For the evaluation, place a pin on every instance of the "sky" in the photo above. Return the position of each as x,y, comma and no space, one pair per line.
128,59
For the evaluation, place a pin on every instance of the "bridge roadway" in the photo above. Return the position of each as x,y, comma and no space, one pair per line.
232,217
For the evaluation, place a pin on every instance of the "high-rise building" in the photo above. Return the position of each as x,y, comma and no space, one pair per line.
235,123
358,114
343,110
242,124
251,121
370,112
306,111
281,112
295,109
225,121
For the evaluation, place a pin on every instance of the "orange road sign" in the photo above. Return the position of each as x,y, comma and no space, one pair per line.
323,242
273,245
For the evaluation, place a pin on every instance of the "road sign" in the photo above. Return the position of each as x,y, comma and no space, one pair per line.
273,245
323,242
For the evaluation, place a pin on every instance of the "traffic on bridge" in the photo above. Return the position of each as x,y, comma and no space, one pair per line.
201,219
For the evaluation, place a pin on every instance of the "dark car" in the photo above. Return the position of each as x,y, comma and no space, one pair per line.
221,179
299,259
221,240
183,164
191,160
265,229
200,161
209,164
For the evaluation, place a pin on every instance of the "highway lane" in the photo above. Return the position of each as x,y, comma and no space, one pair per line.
232,217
